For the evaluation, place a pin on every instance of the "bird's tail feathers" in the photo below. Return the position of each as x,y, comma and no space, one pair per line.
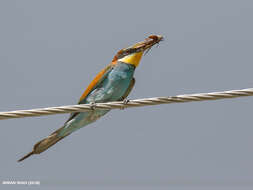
26,156
44,144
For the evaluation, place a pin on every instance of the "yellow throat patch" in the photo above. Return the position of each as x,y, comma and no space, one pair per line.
133,59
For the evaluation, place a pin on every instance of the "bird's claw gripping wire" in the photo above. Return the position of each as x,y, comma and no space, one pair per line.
125,102
92,106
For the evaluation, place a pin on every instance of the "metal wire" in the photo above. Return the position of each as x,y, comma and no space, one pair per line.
127,104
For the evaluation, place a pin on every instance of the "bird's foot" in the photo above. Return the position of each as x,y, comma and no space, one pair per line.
92,106
125,102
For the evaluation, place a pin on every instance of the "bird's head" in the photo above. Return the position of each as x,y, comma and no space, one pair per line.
132,55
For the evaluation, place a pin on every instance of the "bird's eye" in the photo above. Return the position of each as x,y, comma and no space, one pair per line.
154,37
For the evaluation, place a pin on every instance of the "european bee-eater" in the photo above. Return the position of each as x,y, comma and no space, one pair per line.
113,83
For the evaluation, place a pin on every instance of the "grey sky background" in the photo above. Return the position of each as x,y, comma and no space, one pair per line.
51,50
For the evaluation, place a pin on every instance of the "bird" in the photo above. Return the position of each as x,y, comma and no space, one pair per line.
113,83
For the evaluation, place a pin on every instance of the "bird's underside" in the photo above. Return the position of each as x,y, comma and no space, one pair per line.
52,139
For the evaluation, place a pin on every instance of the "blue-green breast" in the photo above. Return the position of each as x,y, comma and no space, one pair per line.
114,86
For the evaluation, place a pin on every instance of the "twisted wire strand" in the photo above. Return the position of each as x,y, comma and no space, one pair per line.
127,104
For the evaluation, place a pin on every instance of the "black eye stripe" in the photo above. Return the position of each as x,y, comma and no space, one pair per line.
128,52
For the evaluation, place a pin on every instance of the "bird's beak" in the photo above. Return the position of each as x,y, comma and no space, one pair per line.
133,54
147,43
